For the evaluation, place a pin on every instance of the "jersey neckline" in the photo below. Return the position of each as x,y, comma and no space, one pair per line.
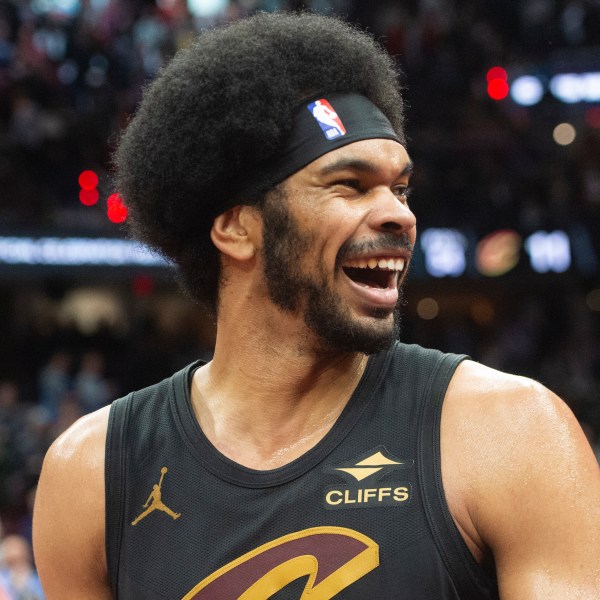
228,470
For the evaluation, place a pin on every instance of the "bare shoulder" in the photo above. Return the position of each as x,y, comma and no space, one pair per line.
498,411
85,439
68,526
522,482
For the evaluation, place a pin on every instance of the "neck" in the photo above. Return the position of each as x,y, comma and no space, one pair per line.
268,395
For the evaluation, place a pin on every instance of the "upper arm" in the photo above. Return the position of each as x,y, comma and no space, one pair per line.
68,524
531,485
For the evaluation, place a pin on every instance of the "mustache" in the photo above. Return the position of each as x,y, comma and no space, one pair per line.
383,242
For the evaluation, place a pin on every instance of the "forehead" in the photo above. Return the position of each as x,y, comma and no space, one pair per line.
386,156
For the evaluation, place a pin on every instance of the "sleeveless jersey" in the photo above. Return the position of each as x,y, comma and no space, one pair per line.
360,515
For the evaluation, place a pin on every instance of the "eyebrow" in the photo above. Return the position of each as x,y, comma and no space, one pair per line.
356,164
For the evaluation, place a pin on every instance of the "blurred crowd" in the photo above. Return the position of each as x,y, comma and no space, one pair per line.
27,428
18,577
71,74
29,424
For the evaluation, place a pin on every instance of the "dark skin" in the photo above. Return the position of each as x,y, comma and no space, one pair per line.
520,479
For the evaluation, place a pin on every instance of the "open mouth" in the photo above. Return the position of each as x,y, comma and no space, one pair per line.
381,272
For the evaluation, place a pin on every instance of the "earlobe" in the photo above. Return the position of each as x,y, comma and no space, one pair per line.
234,232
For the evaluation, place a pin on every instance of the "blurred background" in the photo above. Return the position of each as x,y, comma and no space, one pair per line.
504,127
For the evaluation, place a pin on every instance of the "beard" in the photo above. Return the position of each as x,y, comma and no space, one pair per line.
323,310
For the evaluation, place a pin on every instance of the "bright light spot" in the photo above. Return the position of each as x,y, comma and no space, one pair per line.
89,197
549,251
593,300
566,87
576,87
88,180
498,252
116,210
428,309
527,90
68,8
444,251
497,89
114,199
496,73
207,8
92,309
76,252
564,134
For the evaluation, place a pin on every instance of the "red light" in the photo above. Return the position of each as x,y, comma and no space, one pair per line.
497,89
496,73
592,117
114,199
89,197
143,285
117,214
88,180
116,210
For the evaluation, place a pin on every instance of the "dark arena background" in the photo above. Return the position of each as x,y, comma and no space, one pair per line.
504,128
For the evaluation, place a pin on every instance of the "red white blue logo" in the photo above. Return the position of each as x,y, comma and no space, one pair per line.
325,115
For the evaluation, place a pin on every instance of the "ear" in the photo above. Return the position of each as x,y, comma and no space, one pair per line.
236,232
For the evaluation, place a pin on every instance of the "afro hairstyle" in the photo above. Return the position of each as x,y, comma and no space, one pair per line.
222,107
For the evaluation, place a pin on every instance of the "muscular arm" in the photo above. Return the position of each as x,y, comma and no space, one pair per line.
68,523
523,483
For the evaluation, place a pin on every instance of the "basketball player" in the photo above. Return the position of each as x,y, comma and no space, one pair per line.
315,456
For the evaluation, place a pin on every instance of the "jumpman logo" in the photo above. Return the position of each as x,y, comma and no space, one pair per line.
155,502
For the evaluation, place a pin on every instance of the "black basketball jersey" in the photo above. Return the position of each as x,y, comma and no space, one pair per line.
362,515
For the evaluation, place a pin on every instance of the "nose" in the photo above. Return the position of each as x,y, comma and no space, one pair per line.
391,214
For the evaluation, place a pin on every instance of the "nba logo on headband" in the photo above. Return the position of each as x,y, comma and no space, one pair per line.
324,114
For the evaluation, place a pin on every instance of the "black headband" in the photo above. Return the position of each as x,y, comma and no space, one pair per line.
325,124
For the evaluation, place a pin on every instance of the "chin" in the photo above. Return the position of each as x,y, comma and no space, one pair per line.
377,338
366,335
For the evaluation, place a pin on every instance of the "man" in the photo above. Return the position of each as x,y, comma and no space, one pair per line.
314,456
18,579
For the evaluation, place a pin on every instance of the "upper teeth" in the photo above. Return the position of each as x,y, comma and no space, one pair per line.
393,264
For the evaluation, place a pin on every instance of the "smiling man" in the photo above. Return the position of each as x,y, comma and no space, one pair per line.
315,456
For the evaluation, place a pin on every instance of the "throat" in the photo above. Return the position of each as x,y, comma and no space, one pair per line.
262,456
370,277
266,428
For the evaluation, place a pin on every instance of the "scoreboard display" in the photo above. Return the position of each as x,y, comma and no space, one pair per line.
439,253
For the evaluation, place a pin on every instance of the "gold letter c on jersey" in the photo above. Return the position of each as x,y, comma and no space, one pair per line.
332,557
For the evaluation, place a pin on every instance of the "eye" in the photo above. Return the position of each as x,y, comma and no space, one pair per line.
353,184
402,192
